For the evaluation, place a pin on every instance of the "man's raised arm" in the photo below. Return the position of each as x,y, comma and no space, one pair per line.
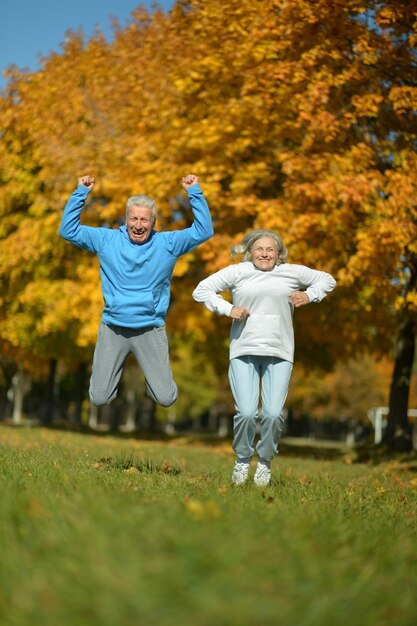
71,229
182,241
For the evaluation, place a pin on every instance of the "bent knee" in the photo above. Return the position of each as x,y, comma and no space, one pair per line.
268,417
246,417
168,400
100,399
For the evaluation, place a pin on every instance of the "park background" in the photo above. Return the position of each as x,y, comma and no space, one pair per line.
298,116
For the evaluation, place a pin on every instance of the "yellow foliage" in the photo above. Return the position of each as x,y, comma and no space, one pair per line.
296,117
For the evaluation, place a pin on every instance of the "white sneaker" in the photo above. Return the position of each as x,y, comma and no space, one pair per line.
262,475
240,473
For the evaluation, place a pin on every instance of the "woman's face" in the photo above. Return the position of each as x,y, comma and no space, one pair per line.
264,254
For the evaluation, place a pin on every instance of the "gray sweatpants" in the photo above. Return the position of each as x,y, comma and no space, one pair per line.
150,347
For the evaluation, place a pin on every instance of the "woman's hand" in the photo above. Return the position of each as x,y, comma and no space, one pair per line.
239,313
299,298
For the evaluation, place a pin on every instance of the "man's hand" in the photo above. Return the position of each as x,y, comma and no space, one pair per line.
299,298
87,181
239,313
190,179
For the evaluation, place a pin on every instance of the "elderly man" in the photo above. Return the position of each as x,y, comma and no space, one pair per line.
136,265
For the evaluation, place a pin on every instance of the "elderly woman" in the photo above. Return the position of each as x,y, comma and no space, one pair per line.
264,289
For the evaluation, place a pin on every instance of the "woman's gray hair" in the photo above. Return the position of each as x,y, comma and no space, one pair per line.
143,201
245,246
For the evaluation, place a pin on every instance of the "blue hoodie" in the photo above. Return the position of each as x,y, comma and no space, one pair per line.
135,277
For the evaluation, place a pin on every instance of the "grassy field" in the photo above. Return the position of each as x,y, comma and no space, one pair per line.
118,532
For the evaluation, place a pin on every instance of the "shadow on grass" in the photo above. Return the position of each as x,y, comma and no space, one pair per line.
375,455
366,452
134,465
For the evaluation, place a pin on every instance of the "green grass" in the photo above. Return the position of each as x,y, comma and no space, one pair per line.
118,532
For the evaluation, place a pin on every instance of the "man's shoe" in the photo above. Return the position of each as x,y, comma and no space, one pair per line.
240,473
262,475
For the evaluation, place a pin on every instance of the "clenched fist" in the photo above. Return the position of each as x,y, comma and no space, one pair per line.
87,181
190,179
239,313
299,298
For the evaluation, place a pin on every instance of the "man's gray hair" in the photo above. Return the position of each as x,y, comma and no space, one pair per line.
143,201
245,246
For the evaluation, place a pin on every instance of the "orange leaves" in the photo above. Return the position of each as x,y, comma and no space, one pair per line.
365,50
297,116
403,98
181,266
367,105
255,173
345,393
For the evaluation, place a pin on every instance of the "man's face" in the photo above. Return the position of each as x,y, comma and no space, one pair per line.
264,254
139,222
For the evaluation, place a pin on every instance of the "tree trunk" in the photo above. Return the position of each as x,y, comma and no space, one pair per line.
79,392
398,434
49,398
130,424
8,372
153,422
20,385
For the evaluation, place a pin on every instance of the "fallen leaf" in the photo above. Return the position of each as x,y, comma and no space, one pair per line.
131,470
200,509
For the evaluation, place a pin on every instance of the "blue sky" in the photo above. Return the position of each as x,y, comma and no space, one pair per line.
33,28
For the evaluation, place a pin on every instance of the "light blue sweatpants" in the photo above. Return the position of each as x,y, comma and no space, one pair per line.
246,375
150,347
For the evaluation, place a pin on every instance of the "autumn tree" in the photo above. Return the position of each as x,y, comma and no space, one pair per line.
298,116
344,394
113,123
303,113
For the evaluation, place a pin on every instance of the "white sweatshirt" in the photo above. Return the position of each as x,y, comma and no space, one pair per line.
266,294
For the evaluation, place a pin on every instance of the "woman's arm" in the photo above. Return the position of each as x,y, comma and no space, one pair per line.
316,284
208,290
